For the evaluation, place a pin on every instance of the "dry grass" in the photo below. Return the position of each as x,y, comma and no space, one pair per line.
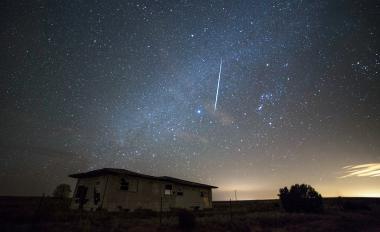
29,214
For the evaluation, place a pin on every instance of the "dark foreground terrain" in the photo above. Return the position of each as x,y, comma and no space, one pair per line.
50,214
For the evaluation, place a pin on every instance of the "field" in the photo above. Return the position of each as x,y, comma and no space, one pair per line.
50,214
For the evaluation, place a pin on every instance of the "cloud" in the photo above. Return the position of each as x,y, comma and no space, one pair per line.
362,170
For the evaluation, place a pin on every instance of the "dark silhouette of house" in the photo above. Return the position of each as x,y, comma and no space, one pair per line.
119,189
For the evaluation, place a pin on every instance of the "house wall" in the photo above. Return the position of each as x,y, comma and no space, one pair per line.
142,193
93,184
190,198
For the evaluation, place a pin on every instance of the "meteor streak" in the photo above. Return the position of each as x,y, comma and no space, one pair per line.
217,88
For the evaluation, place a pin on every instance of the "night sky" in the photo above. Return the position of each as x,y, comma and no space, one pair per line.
132,84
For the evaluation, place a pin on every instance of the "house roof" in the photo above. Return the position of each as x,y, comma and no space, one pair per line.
117,171
109,171
184,182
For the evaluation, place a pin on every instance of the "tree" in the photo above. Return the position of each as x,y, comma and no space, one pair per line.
301,198
62,191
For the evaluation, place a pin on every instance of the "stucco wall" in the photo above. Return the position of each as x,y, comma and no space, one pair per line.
142,193
190,198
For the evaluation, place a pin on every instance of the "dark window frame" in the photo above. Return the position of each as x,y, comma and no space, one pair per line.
124,184
168,190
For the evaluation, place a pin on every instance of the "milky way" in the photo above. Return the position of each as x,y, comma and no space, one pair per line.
131,84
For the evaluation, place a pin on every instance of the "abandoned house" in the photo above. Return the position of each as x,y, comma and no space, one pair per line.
120,189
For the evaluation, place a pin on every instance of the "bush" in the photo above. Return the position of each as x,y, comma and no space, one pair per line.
301,198
62,191
186,219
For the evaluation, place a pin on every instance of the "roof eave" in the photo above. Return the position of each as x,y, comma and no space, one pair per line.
109,171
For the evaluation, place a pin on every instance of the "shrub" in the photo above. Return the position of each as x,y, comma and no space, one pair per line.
62,191
301,198
186,219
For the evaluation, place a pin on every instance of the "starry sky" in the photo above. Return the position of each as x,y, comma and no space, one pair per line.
132,84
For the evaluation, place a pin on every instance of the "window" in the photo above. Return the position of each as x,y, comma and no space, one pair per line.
81,192
80,196
124,185
205,198
204,194
179,191
168,189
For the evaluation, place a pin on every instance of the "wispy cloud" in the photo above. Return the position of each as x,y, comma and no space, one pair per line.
369,170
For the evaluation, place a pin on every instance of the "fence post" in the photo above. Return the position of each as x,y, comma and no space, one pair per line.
161,210
230,210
